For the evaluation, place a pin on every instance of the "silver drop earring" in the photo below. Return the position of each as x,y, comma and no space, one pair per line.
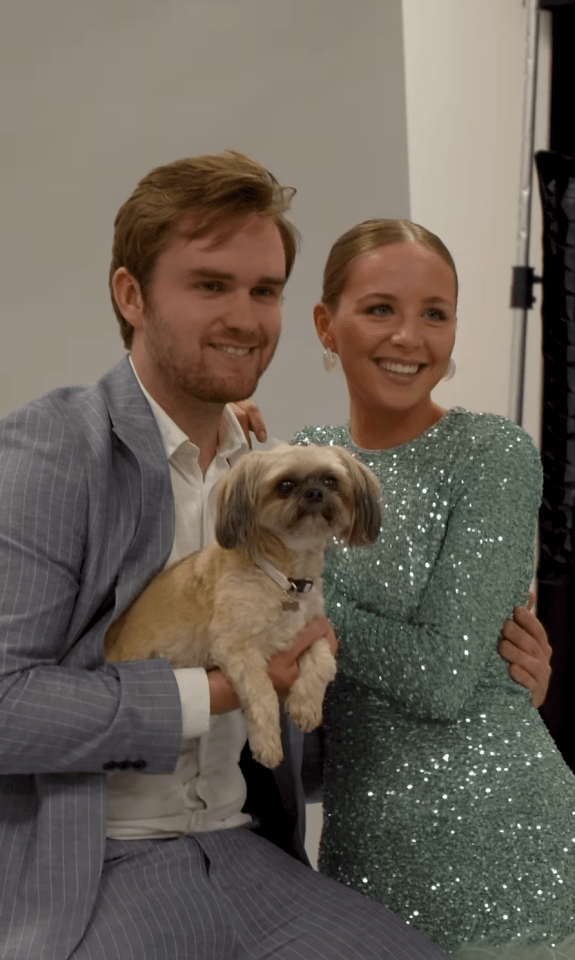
450,372
329,360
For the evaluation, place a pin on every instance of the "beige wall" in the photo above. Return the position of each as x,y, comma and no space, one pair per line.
464,70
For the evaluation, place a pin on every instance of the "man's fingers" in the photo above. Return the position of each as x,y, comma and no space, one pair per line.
529,623
526,664
320,627
522,676
518,636
511,649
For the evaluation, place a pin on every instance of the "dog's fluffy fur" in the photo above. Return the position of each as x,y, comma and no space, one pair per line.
216,608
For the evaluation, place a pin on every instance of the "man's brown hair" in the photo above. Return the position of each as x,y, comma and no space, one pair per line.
219,190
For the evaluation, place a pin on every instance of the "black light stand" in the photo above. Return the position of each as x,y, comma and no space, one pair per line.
556,575
522,298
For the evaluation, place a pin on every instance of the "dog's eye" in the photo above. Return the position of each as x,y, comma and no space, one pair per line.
330,483
286,487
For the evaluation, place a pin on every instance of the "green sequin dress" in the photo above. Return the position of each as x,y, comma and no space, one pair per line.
445,796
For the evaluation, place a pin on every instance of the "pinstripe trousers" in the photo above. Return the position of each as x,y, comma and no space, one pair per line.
232,895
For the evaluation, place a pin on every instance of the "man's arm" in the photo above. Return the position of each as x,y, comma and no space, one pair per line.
524,644
60,710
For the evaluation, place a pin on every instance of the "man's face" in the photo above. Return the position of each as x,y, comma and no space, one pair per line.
212,318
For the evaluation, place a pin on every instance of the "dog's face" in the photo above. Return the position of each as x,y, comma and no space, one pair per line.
299,493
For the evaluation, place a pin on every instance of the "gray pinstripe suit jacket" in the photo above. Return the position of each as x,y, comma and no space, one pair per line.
86,518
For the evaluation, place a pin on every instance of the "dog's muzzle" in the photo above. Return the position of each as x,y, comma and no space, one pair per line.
316,501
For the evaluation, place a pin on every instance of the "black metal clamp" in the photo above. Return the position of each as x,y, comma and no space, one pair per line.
522,296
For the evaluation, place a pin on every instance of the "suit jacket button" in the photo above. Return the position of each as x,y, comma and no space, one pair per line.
110,765
139,764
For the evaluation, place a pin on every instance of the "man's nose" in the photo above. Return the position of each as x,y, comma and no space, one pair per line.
241,313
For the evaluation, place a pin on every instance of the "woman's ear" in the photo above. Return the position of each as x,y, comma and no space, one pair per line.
322,322
128,297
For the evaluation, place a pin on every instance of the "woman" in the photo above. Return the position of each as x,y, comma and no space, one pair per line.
444,795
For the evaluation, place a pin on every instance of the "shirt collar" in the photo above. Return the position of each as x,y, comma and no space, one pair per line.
231,437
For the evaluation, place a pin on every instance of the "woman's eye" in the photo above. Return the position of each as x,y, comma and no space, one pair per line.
434,313
380,309
286,487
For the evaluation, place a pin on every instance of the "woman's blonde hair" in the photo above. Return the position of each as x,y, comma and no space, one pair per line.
220,190
368,236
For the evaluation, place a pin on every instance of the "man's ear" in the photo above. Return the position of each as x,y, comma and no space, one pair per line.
128,297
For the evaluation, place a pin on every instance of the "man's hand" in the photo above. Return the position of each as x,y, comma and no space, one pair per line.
524,644
283,667
250,418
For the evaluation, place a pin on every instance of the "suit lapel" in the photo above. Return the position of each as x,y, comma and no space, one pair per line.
135,427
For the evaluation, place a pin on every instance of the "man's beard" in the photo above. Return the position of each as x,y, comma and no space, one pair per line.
192,380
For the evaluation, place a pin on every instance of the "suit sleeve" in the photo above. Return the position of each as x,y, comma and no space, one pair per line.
56,717
433,662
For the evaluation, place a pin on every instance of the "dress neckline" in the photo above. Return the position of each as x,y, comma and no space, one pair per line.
430,432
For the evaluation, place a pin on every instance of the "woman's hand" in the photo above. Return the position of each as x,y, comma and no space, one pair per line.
524,644
250,419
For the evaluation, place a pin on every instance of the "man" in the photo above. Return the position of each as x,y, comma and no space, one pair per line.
102,486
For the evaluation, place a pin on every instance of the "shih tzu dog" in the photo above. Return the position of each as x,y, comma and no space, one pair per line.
246,596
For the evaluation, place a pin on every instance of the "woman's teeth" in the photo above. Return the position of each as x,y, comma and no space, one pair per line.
405,368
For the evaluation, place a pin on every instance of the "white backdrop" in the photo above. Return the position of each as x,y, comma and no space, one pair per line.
93,95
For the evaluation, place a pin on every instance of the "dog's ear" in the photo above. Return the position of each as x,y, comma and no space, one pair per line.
366,501
238,498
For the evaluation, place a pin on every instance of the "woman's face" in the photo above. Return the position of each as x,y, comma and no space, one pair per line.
394,327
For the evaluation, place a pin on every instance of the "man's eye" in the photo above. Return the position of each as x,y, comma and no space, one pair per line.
212,286
268,293
286,487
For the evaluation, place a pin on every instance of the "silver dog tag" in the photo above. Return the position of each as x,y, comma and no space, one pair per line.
290,605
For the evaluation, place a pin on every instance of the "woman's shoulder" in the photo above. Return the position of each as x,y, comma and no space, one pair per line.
492,438
489,428
322,435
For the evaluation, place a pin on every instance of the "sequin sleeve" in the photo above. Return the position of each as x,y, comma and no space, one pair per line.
432,661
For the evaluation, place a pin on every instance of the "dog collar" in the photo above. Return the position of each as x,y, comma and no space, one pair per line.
289,584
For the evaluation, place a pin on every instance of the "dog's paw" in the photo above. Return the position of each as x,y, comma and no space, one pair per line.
307,716
266,750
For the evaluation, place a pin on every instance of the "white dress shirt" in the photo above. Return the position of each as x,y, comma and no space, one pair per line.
207,790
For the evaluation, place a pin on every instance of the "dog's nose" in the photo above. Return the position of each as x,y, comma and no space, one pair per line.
314,494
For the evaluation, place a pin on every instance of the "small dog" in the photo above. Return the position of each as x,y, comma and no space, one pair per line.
241,599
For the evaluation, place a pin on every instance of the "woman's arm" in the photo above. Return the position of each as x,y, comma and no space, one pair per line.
433,662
